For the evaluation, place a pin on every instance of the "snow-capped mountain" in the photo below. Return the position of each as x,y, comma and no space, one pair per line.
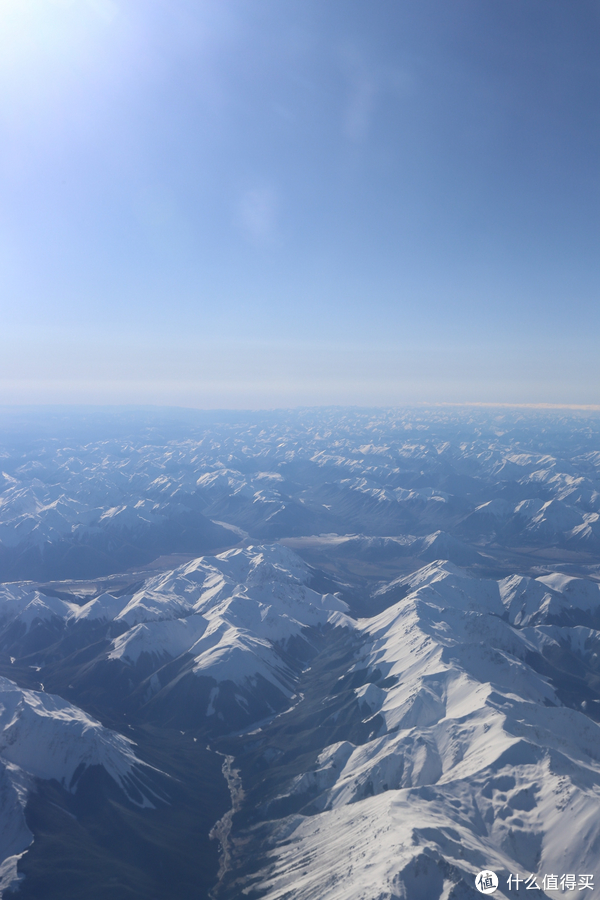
463,749
472,760
361,650
44,737
77,508
239,617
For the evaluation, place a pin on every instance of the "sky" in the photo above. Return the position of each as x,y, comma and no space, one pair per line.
264,203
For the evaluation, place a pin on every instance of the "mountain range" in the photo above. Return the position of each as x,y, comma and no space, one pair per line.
313,654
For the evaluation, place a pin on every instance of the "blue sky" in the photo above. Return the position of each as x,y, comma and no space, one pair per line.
278,202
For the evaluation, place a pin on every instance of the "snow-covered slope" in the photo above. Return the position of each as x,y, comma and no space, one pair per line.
233,613
453,729
239,617
474,762
44,737
462,754
50,738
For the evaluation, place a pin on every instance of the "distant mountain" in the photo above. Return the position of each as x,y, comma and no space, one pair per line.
92,507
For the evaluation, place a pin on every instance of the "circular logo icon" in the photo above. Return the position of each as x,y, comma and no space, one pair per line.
486,882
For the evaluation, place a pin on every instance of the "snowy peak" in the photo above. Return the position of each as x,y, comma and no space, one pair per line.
234,613
44,737
471,758
50,738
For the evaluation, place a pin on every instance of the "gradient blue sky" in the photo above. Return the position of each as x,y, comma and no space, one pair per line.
263,203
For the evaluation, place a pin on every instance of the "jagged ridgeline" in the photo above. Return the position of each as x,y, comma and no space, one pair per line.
316,654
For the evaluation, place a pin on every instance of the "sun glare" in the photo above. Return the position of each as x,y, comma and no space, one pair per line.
30,28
